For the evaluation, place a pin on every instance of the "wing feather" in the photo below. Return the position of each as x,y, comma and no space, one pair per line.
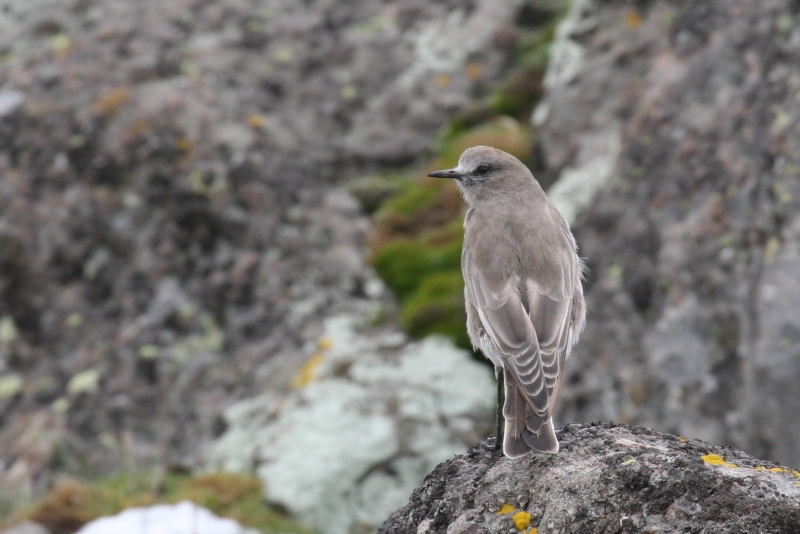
529,325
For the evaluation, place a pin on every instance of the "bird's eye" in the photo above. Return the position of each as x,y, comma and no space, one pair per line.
482,170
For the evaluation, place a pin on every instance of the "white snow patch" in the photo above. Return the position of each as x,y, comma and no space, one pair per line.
182,518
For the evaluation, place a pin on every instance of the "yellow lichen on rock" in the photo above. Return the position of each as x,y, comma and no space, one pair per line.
256,120
308,372
505,509
111,101
716,459
522,520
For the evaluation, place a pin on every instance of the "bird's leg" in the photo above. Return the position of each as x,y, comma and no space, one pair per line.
499,415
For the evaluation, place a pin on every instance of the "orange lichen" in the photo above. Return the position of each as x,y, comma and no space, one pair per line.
255,120
308,371
505,509
184,144
139,127
682,440
522,520
632,19
110,102
473,71
716,459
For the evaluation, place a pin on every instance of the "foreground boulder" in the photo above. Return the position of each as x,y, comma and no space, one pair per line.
606,478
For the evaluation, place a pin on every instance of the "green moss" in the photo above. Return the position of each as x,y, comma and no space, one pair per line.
413,198
72,503
404,265
437,307
417,242
373,191
503,132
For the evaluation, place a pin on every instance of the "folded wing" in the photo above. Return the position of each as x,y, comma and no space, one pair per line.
529,326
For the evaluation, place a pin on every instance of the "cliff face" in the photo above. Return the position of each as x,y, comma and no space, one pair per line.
683,117
170,240
606,478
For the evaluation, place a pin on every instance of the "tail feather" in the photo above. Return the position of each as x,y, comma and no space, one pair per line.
514,443
524,429
543,441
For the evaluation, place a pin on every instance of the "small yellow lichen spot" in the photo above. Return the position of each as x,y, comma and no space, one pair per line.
796,473
442,80
522,520
778,470
308,372
184,144
325,343
111,101
138,128
255,120
473,71
761,468
682,440
716,459
61,44
632,19
505,509
533,530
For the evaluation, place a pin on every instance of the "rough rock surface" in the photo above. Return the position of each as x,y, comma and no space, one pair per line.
370,416
685,114
605,479
170,239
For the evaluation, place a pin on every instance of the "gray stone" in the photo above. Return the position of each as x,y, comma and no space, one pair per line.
605,478
671,130
367,421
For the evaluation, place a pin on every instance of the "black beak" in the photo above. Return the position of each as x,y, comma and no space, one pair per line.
447,173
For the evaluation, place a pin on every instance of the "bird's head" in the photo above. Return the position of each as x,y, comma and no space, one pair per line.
484,172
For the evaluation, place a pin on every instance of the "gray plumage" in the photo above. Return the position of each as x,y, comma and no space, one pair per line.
524,298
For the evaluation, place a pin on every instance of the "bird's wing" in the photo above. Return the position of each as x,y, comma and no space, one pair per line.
530,330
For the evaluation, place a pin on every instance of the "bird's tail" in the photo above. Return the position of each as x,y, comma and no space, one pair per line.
524,431
543,441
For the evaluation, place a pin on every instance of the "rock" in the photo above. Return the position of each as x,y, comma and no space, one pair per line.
605,478
26,527
174,219
182,518
370,416
10,100
669,130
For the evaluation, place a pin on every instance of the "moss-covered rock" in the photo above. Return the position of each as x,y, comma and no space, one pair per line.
72,503
419,233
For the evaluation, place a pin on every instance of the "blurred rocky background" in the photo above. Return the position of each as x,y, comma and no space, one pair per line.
217,253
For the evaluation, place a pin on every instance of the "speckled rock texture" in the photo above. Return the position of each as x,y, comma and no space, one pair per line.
171,232
605,479
686,113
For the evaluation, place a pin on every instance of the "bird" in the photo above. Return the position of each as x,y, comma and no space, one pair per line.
523,291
